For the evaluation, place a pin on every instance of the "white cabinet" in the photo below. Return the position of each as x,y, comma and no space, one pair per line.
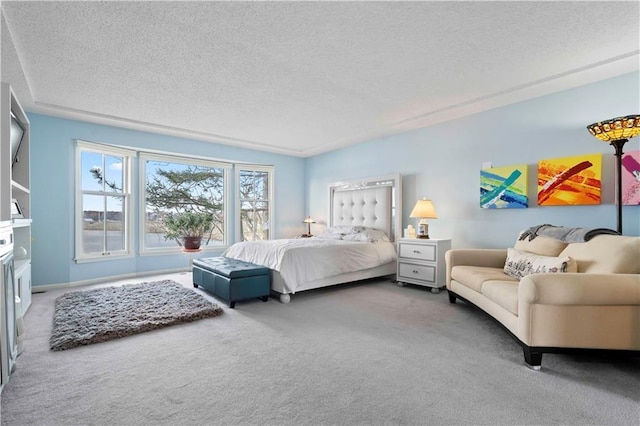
421,262
15,216
15,193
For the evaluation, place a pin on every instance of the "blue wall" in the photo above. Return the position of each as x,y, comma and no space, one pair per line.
443,163
53,186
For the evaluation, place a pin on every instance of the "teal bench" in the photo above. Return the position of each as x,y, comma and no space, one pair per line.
232,280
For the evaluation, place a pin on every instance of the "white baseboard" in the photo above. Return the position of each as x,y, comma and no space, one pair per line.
46,287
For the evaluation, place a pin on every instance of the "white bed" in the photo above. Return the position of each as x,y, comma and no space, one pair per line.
309,263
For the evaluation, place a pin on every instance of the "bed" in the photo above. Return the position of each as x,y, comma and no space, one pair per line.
352,248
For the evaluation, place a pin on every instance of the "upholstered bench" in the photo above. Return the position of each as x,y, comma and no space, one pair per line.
232,279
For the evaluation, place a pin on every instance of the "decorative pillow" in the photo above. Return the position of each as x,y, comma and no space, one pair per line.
368,235
521,263
345,229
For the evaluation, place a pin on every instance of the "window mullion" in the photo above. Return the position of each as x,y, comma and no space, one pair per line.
104,225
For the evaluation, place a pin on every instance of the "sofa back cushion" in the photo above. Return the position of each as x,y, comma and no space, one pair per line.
544,246
606,254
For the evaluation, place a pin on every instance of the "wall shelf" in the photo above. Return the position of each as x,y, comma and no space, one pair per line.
16,186
18,223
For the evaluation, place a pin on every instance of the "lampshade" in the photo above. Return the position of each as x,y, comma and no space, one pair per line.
308,220
616,128
424,209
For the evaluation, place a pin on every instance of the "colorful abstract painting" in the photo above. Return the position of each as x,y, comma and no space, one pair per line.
570,180
631,178
504,187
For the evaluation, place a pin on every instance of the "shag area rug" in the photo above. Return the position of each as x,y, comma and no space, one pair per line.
86,317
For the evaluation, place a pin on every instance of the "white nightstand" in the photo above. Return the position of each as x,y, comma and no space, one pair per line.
421,262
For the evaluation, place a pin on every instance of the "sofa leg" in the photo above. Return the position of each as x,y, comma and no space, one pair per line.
532,358
452,297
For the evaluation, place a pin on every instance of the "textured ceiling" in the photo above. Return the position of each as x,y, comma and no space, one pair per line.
302,78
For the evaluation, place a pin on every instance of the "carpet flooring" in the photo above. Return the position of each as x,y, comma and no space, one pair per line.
99,315
357,354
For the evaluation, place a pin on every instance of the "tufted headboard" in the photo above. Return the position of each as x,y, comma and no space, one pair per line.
374,203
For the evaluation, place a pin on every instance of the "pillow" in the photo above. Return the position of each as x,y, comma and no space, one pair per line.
544,246
345,229
521,263
368,235
606,254
328,235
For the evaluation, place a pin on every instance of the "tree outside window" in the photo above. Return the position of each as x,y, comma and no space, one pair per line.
179,191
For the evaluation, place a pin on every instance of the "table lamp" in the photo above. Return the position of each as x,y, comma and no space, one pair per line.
308,221
424,210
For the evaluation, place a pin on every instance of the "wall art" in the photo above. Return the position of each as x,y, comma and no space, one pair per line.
504,187
570,180
631,178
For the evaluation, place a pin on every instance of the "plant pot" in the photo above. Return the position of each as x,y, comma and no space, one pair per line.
192,243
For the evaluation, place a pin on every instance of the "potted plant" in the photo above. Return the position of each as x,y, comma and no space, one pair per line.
189,227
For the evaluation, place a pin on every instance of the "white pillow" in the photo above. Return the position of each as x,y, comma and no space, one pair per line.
328,235
345,229
368,235
521,263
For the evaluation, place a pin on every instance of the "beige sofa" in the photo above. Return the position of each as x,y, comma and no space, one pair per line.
595,308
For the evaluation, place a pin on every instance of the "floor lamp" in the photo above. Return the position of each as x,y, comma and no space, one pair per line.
617,132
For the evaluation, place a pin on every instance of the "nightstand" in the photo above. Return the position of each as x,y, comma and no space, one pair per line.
421,262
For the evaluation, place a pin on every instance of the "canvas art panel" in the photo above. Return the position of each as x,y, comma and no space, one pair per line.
631,178
504,187
570,180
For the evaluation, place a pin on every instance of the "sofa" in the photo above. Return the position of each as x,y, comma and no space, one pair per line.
553,296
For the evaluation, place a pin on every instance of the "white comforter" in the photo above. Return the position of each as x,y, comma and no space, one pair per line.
307,259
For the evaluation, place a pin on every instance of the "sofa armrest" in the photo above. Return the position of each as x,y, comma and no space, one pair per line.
579,289
492,258
579,310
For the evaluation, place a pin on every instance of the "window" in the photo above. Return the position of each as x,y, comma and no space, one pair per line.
169,189
174,186
255,198
103,204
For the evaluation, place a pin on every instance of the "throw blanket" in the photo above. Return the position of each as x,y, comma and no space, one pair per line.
568,235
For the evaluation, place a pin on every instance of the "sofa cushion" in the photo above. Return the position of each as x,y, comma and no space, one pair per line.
606,254
543,246
504,293
474,276
521,263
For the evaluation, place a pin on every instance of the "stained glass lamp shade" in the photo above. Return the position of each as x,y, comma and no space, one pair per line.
617,131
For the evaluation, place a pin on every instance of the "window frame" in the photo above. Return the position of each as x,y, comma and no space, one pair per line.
143,157
238,202
128,158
